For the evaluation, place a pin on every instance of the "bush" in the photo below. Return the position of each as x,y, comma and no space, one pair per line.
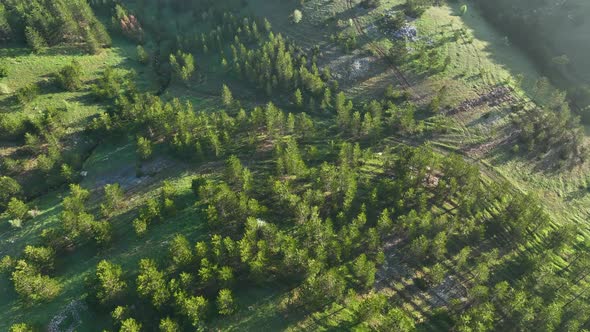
8,189
3,71
110,282
140,226
12,126
17,209
69,77
41,257
225,302
297,16
21,327
142,56
27,93
144,148
32,285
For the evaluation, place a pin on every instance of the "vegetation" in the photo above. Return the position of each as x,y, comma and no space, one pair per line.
229,178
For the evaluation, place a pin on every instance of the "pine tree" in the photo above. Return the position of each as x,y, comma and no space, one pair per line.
225,302
298,98
111,284
35,40
226,96
151,283
142,56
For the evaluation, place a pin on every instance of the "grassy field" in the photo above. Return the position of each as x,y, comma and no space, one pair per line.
25,67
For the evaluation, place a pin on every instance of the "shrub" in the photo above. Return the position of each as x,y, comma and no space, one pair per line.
32,285
12,126
144,148
41,257
17,209
297,16
225,302
169,325
8,188
21,327
27,93
130,325
140,226
111,284
3,71
142,56
69,77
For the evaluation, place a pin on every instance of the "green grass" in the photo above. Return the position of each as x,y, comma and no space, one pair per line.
127,247
25,67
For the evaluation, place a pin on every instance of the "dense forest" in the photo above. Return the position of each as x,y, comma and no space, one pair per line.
294,186
48,23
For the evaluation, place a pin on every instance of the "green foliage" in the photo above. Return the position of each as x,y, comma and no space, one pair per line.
112,84
144,148
227,98
142,55
77,223
3,70
183,65
140,226
9,188
364,270
113,199
319,215
194,307
6,264
27,93
181,252
169,325
225,302
30,284
151,283
398,320
111,285
69,77
21,327
35,40
130,325
42,258
17,209
415,8
394,22
297,16
45,23
289,160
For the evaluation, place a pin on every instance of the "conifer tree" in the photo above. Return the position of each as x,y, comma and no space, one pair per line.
35,40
